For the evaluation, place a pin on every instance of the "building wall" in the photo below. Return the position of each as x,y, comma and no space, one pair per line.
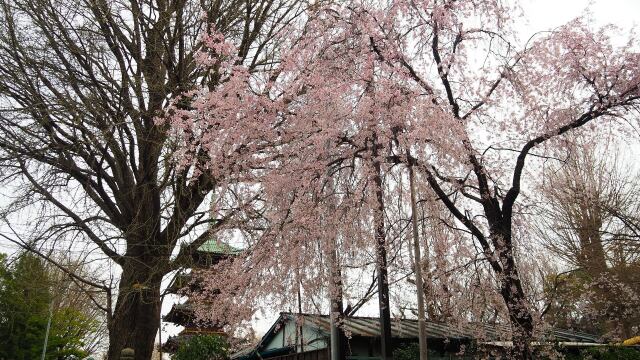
286,336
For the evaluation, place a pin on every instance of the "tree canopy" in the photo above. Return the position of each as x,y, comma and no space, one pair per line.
30,298
83,85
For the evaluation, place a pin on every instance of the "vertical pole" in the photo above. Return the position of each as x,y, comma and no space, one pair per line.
46,334
300,316
335,315
381,254
422,326
160,335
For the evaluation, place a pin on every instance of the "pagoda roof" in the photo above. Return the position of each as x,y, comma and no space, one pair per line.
188,283
213,246
184,315
211,252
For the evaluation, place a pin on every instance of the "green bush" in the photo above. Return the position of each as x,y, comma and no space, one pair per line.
607,353
409,351
27,290
203,347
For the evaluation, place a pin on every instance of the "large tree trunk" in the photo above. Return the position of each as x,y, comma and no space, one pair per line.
517,305
137,312
381,259
520,318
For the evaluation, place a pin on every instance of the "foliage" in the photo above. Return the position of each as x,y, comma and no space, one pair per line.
26,295
564,292
607,353
203,347
409,351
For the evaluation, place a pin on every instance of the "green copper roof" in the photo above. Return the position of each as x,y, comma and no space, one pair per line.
213,246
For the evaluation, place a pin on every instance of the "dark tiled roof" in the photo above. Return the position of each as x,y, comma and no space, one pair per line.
408,328
367,326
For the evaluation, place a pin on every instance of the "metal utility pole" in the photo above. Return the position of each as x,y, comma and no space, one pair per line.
46,334
422,326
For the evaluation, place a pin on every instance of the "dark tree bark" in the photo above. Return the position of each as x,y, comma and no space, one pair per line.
137,312
517,305
497,241
496,201
81,86
498,248
381,254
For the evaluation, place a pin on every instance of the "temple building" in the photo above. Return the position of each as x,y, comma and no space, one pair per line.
183,314
308,337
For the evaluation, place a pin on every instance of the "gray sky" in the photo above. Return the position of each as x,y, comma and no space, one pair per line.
547,14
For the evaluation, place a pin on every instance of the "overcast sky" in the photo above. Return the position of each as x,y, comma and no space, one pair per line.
547,14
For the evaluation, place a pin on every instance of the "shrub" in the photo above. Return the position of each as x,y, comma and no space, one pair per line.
203,347
608,353
409,351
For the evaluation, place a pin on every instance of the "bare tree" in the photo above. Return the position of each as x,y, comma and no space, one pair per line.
82,83
588,221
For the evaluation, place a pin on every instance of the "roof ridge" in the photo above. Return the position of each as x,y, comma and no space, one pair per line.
361,317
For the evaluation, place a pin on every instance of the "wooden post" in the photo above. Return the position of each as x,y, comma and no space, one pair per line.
127,354
422,326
